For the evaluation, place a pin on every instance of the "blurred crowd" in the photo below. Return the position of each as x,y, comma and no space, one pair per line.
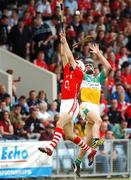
30,29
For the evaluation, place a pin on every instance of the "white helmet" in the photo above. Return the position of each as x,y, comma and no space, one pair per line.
81,65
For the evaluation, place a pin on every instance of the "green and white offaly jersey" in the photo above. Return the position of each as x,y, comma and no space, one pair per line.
91,88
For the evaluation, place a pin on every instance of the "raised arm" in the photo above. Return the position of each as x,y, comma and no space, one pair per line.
65,50
107,67
63,56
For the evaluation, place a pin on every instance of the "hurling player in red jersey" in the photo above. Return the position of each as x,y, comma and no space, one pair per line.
69,109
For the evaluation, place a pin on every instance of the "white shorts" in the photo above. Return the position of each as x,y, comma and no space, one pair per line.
90,107
70,106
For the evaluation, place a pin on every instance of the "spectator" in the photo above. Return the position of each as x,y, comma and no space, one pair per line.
96,8
76,23
54,26
13,20
48,133
119,130
126,77
100,40
27,19
44,7
4,32
42,97
24,106
115,116
103,129
88,24
33,125
6,128
71,35
40,60
32,100
117,76
31,8
128,115
53,109
56,118
103,104
3,92
3,107
56,59
100,24
72,4
14,83
7,100
84,6
43,115
58,100
120,92
119,43
15,115
110,81
68,16
79,127
123,57
41,36
105,118
122,104
19,38
111,59
17,121
106,7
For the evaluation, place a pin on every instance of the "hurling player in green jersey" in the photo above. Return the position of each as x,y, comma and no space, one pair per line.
90,100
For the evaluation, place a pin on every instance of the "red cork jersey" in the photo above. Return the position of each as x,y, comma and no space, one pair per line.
71,82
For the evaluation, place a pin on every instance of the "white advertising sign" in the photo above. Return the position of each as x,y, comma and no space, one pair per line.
23,159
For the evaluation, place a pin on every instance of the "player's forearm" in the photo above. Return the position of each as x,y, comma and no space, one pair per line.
69,55
63,56
67,50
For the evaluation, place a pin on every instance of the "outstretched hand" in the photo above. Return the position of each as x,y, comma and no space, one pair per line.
94,49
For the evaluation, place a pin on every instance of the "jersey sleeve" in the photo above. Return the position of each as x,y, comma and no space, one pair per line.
101,77
78,72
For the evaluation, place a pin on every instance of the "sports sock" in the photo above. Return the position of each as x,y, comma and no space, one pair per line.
81,143
78,161
94,141
57,136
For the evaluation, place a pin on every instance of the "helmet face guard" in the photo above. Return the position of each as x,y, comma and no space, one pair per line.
89,66
81,65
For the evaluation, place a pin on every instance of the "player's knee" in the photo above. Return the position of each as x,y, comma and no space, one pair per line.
69,137
95,120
